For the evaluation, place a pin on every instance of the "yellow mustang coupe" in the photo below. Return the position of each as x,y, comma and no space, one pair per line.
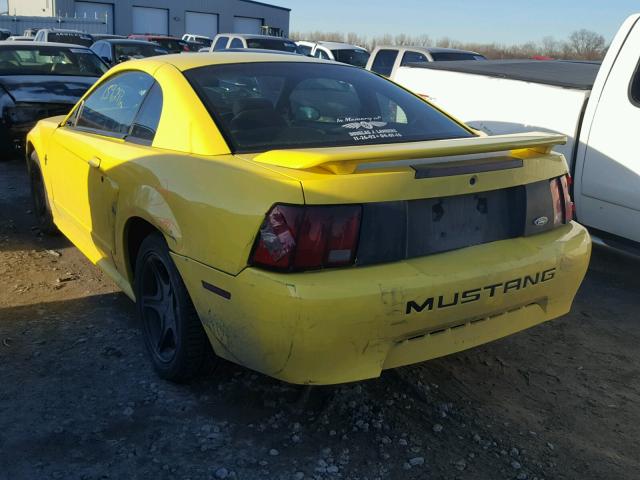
307,219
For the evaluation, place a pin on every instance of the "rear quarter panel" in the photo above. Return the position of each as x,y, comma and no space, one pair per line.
209,208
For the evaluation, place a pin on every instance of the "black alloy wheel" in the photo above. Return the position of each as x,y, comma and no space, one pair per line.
173,334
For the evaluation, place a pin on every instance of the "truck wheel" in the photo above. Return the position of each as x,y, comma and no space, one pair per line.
41,207
173,333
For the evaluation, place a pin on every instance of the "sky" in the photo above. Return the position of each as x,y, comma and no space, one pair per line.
501,21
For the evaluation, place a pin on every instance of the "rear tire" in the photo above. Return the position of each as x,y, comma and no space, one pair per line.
41,206
173,334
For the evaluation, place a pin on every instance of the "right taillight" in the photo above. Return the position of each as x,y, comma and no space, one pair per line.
298,237
561,198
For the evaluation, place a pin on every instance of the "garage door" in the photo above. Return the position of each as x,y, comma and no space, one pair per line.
150,20
201,24
247,25
97,10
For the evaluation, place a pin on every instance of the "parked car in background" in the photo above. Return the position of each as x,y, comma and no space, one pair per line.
39,80
340,52
19,38
170,44
4,34
105,36
260,42
200,40
312,220
597,106
74,37
114,51
385,60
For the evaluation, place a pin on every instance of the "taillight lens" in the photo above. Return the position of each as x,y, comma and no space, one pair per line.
308,237
561,198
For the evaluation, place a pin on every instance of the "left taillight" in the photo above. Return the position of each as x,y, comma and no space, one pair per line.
563,208
296,237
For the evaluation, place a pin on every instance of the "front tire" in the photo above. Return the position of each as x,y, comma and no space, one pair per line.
173,333
41,206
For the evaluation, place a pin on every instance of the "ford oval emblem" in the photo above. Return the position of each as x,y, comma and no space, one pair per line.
541,221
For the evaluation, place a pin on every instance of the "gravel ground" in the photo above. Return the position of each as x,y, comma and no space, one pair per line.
79,399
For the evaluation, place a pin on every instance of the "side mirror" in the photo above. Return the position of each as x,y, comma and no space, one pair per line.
106,60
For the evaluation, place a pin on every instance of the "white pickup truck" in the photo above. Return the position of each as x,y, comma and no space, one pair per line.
596,106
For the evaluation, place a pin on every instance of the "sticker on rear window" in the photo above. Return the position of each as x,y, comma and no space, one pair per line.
367,128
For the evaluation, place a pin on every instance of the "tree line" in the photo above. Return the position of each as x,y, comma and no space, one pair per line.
580,45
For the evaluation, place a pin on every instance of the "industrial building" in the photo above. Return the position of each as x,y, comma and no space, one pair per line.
167,17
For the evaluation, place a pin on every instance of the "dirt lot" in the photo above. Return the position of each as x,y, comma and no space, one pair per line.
79,400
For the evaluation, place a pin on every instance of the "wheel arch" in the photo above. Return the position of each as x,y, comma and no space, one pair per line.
136,229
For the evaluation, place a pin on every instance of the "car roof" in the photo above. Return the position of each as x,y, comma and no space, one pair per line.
63,30
253,35
425,49
152,35
187,61
340,46
128,41
41,44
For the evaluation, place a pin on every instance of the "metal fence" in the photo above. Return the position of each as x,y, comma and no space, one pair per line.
18,24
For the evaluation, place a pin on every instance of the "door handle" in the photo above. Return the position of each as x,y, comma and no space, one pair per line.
94,162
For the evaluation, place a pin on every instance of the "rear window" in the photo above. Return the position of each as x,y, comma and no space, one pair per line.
83,39
453,56
384,61
137,50
355,57
172,45
277,105
272,44
25,60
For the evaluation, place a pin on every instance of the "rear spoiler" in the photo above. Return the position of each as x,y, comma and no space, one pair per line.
345,160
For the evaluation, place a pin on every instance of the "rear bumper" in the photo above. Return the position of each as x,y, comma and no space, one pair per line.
344,325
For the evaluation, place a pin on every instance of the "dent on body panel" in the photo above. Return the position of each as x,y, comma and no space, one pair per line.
152,205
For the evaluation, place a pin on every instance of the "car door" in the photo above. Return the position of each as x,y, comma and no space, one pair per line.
608,191
81,153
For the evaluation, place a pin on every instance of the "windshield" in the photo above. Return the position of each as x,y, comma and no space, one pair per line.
83,39
138,50
453,56
272,44
355,57
276,105
26,60
304,50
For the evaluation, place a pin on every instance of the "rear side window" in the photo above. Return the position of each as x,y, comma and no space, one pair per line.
384,61
236,43
146,123
278,105
413,57
221,43
111,108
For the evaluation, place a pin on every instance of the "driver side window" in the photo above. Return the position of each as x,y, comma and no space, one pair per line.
112,107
